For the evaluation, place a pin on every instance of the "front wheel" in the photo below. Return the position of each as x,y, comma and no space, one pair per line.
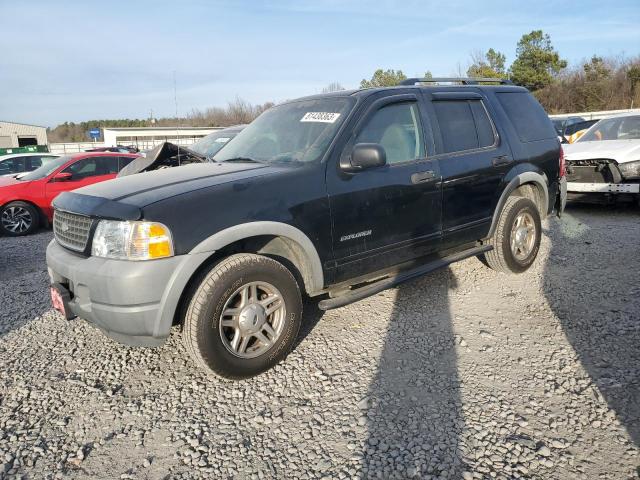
18,218
516,240
244,316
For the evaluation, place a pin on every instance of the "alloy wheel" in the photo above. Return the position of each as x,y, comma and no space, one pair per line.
16,219
252,319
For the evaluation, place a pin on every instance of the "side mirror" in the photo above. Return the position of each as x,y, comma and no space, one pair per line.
62,177
364,156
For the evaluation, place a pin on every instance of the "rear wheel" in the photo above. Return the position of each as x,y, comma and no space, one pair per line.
516,240
18,218
244,316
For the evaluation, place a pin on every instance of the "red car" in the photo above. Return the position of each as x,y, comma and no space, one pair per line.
25,201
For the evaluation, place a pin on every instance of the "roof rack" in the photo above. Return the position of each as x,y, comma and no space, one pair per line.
464,81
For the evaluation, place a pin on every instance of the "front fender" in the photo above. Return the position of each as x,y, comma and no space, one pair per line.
312,271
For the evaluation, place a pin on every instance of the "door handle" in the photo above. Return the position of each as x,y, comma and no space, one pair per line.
500,160
422,177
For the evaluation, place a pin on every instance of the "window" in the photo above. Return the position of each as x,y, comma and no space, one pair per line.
5,167
527,116
107,165
124,161
464,125
82,168
397,128
35,162
12,165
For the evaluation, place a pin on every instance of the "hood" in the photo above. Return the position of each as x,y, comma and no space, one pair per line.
165,155
134,192
622,151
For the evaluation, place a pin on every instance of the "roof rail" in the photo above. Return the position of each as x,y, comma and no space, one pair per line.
464,81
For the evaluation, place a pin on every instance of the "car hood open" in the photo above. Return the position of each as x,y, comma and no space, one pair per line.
165,155
622,151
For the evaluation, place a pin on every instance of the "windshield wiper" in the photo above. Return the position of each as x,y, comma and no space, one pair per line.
241,159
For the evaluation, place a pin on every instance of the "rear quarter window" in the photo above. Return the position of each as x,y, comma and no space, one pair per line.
527,116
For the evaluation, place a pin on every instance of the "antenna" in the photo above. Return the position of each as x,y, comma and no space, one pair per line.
175,99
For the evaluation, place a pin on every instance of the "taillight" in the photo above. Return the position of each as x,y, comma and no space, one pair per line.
563,168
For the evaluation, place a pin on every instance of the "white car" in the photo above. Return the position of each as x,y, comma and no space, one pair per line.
16,163
604,164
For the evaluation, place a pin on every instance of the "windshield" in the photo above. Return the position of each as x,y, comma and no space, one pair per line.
620,128
290,133
212,143
46,169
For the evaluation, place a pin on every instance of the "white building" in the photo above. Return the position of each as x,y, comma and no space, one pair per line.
13,135
148,137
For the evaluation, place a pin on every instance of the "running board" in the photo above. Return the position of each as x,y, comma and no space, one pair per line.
377,287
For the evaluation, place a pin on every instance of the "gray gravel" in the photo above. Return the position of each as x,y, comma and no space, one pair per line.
462,374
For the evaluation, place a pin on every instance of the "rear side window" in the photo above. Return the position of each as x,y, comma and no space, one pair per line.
527,116
107,165
124,161
464,125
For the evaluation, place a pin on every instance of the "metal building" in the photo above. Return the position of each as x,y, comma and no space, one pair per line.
14,135
149,137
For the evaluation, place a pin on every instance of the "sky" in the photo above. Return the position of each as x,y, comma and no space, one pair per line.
75,61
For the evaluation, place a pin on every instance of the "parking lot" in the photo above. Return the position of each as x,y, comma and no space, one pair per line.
465,373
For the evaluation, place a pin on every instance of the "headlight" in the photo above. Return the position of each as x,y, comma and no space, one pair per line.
630,170
131,240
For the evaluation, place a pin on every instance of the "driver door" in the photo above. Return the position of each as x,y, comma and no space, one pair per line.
386,215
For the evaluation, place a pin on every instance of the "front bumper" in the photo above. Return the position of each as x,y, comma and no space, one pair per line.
132,302
587,187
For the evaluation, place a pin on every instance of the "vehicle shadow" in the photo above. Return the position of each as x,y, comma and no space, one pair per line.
599,309
24,282
413,409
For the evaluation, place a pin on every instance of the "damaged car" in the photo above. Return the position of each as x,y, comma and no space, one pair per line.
167,154
604,164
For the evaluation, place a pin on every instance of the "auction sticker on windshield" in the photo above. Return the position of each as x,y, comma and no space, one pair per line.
222,140
323,117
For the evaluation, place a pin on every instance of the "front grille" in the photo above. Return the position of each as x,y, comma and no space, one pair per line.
71,230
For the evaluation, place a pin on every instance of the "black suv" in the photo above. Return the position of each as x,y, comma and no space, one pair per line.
335,196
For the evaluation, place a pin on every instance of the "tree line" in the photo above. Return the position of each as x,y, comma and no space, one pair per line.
596,84
236,112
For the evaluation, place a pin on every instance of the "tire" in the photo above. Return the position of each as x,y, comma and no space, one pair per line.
228,288
18,219
504,258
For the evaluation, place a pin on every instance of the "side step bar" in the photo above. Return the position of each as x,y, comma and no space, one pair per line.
377,287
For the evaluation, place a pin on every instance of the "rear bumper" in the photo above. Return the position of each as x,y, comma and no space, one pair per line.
132,302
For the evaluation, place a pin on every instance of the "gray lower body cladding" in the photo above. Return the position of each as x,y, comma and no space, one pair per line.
132,302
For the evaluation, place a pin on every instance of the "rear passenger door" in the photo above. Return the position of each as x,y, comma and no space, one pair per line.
473,160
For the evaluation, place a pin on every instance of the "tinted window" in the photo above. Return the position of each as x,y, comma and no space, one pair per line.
47,169
107,165
5,166
35,162
17,165
527,116
464,125
124,161
82,168
486,136
397,128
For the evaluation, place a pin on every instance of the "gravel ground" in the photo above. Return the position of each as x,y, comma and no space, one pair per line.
462,374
